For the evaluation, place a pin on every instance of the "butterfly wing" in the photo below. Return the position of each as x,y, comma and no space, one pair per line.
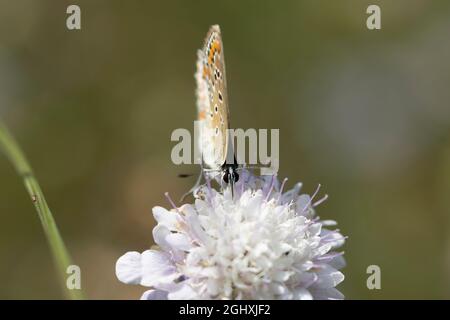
212,101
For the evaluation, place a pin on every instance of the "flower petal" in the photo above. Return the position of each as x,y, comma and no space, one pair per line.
129,268
327,294
160,233
328,223
195,226
332,237
183,292
338,262
166,218
328,278
154,295
179,241
157,269
302,294
303,202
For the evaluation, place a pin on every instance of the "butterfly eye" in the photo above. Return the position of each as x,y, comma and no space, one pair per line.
225,177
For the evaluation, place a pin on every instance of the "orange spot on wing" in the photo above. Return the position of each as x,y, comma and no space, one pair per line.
210,57
205,72
217,46
201,115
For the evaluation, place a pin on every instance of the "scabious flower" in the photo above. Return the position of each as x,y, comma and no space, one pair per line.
259,243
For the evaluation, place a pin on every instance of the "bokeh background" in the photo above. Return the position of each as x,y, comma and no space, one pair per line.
364,113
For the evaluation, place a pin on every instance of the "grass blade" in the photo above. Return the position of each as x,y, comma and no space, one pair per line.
59,251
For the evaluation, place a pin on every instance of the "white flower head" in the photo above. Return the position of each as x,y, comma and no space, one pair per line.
259,243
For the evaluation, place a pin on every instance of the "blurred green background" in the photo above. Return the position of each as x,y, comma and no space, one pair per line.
364,113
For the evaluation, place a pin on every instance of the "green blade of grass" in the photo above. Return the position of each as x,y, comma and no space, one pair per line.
59,251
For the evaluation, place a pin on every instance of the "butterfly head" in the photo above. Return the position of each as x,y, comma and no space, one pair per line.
230,175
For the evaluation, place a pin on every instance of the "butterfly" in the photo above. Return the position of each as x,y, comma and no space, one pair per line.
215,144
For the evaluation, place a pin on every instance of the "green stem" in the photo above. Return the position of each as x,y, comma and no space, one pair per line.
59,251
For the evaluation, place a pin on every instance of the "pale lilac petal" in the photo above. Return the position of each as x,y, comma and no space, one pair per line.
315,229
338,262
323,249
328,223
302,294
328,258
166,218
334,238
179,241
129,268
157,269
328,278
303,201
154,295
160,233
183,292
327,294
196,227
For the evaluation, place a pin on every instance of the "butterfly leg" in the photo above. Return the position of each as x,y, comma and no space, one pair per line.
196,185
232,188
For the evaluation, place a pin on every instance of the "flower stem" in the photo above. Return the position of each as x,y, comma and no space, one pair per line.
59,251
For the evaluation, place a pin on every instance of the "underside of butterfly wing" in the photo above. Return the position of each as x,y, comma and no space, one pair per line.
212,101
